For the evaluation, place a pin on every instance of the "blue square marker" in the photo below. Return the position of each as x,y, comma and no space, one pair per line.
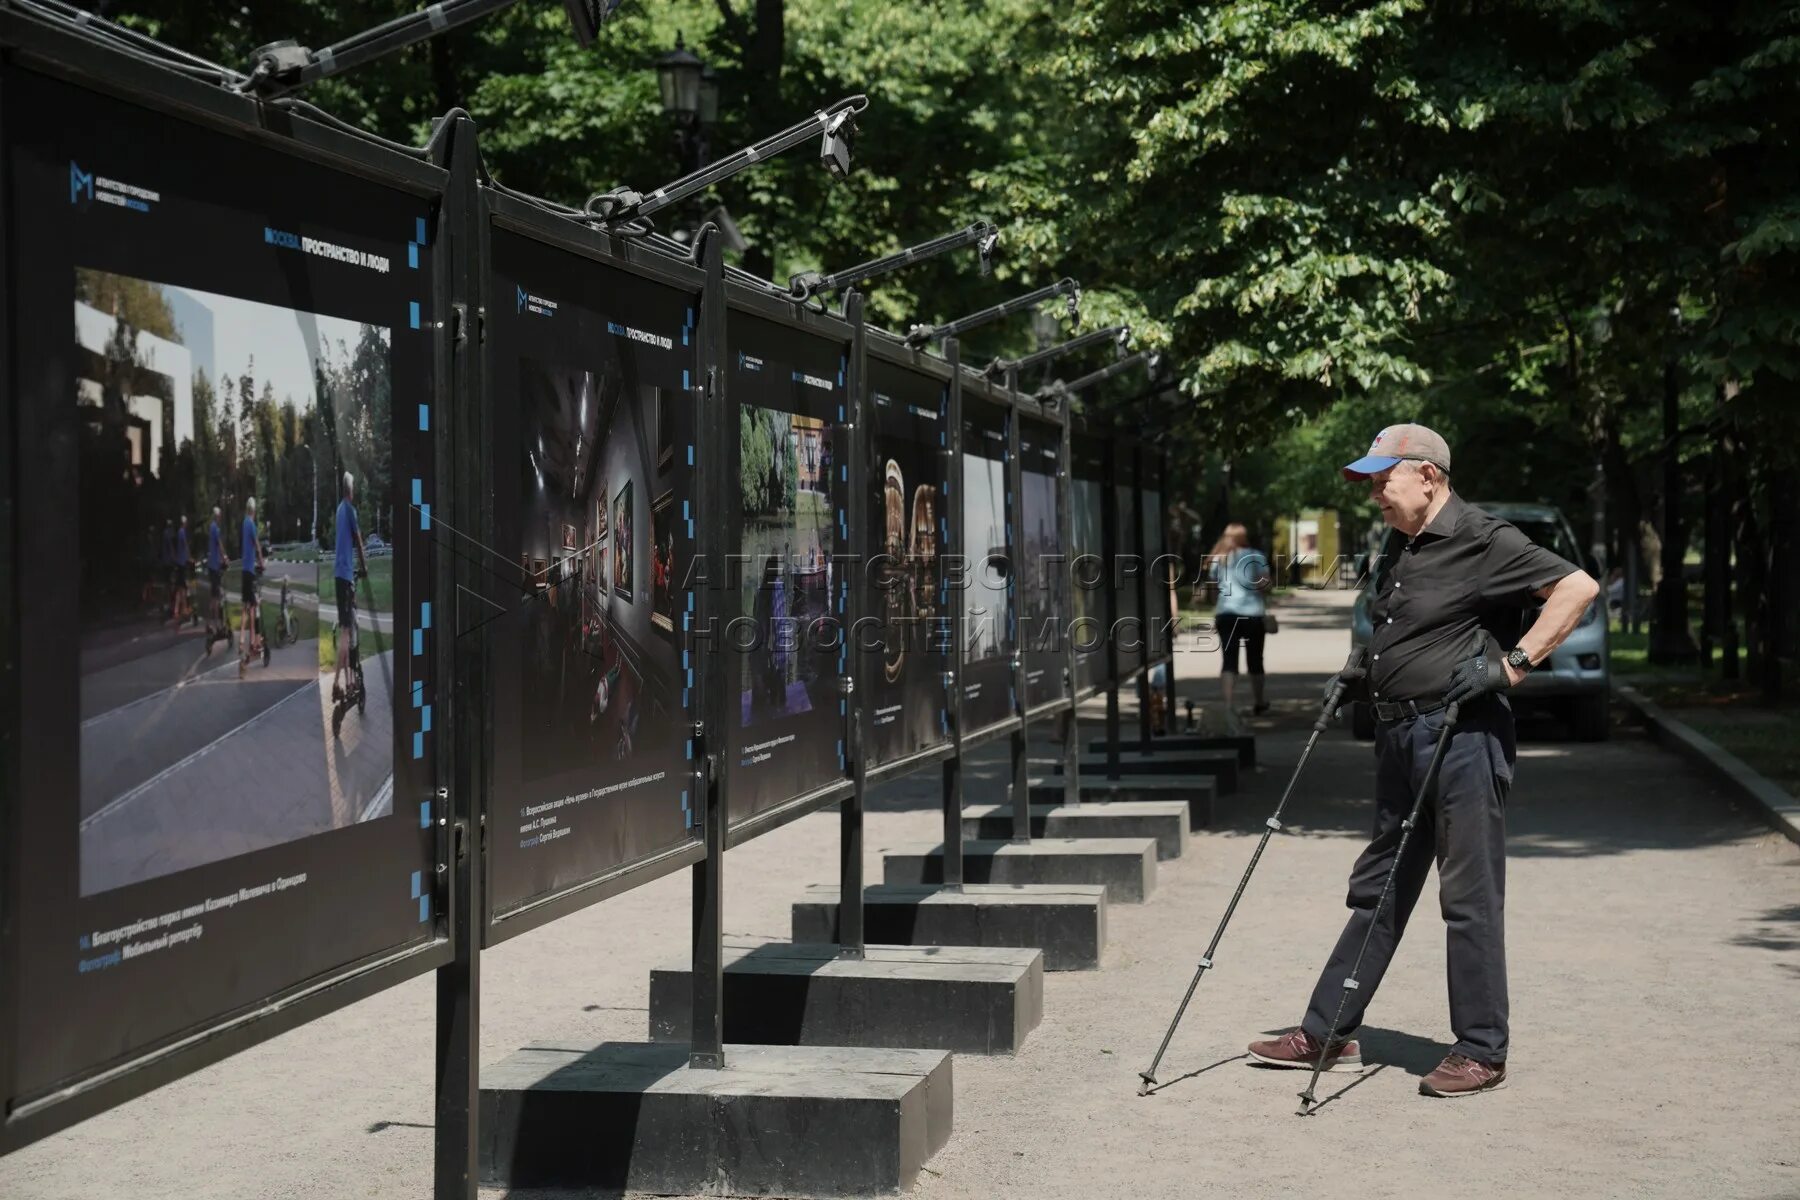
418,745
424,516
418,693
426,727
424,908
412,255
424,416
418,641
425,615
415,884
413,312
418,491
419,230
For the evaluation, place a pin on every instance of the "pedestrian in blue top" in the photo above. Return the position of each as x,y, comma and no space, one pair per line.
345,569
249,569
1242,574
215,582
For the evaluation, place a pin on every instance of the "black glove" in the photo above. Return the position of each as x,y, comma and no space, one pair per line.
1348,684
1482,673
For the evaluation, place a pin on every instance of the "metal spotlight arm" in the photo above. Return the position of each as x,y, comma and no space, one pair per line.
921,334
983,233
835,123
1120,335
286,66
1109,371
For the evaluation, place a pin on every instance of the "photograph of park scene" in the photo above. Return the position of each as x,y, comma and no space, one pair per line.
785,576
1088,570
595,686
215,433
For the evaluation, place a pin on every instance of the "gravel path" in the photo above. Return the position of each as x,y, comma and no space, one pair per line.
1655,954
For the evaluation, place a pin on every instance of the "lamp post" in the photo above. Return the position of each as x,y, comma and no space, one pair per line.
690,99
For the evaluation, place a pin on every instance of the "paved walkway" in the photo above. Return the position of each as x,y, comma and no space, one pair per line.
1655,952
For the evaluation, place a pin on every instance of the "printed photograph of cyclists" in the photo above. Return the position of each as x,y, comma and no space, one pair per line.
207,463
987,637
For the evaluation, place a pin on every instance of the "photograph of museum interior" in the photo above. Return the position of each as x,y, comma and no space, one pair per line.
598,671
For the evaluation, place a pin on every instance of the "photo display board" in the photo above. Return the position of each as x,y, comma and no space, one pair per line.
784,643
988,626
907,651
218,335
1043,565
591,379
1157,571
1090,570
1128,566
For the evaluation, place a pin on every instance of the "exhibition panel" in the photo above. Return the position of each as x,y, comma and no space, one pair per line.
904,639
1126,565
1090,565
989,631
226,776
784,644
1043,565
591,376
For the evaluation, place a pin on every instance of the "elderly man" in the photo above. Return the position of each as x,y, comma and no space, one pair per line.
1460,572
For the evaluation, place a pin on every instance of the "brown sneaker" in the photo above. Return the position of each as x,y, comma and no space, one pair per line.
1460,1076
1298,1048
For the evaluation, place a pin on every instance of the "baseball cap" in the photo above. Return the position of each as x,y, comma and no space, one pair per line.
1399,442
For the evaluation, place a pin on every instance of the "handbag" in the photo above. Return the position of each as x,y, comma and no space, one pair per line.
1271,624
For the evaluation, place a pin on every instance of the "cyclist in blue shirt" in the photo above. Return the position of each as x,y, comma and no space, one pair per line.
345,571
250,568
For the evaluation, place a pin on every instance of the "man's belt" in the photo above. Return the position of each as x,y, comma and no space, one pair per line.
1401,710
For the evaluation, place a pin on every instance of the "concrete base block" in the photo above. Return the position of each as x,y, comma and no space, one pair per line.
970,999
1164,820
1125,867
777,1120
1196,791
1180,743
1222,765
1067,923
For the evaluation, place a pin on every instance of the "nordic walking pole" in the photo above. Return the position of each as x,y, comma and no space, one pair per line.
1334,696
1307,1099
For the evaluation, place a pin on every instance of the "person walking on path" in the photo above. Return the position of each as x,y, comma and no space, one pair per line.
1460,572
348,562
1242,575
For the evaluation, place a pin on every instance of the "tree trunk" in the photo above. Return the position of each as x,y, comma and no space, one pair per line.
1750,585
1671,641
1778,594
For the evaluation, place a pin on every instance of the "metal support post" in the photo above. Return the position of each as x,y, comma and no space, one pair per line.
1015,548
953,681
856,728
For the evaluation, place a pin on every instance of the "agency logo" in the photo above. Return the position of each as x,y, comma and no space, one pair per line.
535,305
81,183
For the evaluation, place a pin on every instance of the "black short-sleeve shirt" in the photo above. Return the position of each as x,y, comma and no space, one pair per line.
1464,571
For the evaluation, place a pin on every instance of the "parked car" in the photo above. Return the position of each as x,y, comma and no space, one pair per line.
1577,681
374,547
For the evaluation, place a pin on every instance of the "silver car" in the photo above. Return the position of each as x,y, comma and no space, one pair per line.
1577,680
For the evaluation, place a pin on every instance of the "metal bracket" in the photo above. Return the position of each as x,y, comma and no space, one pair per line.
1273,824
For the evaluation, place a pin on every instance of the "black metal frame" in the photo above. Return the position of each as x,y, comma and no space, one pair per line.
31,43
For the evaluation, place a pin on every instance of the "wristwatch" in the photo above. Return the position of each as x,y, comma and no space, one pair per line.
1518,660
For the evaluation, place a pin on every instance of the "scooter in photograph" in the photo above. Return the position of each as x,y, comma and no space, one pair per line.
355,695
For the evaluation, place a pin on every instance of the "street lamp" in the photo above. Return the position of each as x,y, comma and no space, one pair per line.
679,73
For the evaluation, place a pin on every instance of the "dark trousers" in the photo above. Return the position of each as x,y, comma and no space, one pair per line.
1465,823
1248,632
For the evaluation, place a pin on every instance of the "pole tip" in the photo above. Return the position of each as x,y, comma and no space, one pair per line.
1149,1081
